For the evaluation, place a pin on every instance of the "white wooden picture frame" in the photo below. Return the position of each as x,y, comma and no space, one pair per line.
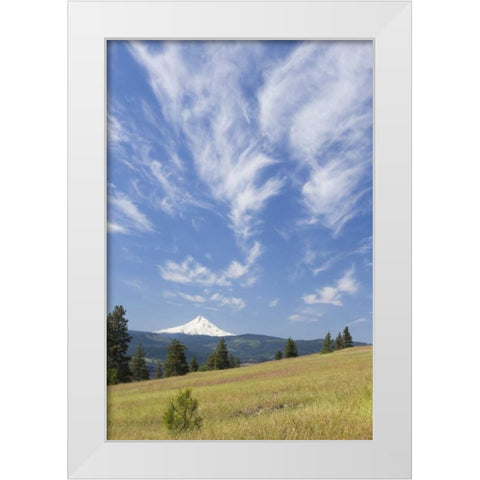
91,24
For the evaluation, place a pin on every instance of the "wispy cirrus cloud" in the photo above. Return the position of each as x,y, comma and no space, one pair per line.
333,294
358,320
234,303
133,282
205,101
191,272
302,318
319,103
274,302
125,214
116,228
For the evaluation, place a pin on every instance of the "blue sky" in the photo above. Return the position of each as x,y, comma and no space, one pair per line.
240,185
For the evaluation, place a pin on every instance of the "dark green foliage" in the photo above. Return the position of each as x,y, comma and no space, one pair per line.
193,364
249,348
118,370
159,370
138,365
221,356
339,342
176,363
112,378
210,363
347,338
290,348
234,361
182,414
220,359
278,355
327,344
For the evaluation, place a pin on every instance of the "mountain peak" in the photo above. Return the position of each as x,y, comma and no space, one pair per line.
198,326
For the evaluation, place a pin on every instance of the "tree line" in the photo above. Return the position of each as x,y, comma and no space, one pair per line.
121,368
344,340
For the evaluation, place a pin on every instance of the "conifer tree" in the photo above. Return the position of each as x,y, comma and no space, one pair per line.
290,348
339,342
232,361
159,370
210,363
118,338
138,366
221,356
327,343
176,363
193,364
278,355
347,338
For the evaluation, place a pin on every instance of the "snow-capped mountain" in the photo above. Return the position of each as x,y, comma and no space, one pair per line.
198,326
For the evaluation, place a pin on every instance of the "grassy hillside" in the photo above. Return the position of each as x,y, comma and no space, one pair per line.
313,397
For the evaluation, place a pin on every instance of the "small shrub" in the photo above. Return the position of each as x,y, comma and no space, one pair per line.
182,414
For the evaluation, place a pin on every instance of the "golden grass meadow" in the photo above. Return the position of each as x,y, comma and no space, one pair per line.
313,397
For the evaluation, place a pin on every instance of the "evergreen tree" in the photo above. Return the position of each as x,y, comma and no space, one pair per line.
327,343
232,361
290,348
203,368
159,370
221,356
210,363
176,363
139,365
118,370
347,338
278,355
193,364
339,342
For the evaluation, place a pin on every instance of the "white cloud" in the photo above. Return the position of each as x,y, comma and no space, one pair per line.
274,302
358,320
133,283
233,302
302,318
347,283
331,193
190,272
319,102
324,266
192,298
206,103
333,294
115,228
236,269
128,212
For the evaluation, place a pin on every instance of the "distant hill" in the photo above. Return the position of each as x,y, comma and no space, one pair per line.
249,348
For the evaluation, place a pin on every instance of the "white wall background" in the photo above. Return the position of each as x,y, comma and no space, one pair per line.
33,240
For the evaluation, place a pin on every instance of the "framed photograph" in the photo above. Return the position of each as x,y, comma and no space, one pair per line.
239,284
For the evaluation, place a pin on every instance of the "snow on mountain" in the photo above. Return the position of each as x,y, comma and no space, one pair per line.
198,326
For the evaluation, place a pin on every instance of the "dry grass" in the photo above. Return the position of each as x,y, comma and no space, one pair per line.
316,397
